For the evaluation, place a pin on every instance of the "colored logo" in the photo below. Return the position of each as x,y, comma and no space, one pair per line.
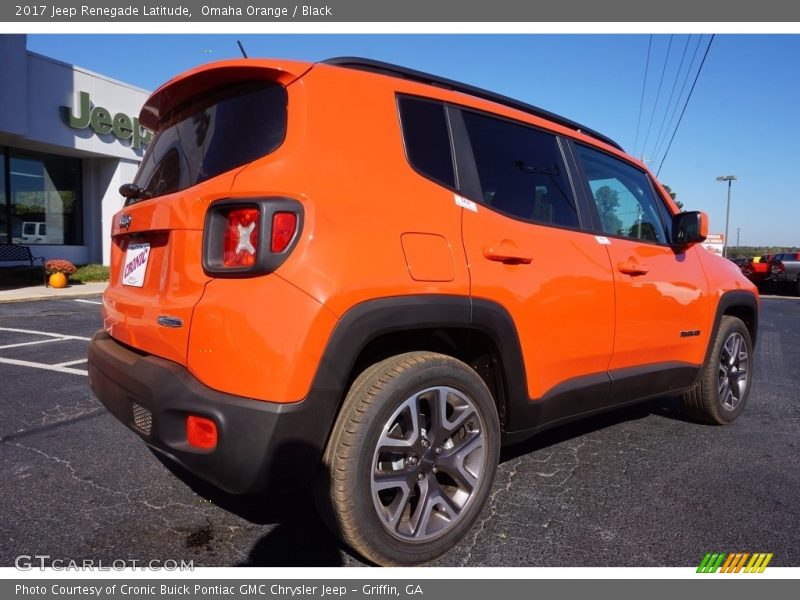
734,563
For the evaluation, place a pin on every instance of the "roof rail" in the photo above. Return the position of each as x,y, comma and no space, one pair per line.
384,68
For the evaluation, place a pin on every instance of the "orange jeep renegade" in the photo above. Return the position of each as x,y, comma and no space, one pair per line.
371,278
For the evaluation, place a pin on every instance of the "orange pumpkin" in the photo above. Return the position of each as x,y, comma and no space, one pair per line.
58,280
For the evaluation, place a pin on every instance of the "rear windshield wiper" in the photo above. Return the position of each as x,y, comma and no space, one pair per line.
131,191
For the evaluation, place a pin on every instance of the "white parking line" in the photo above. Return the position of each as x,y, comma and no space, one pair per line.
69,363
31,343
63,367
88,301
60,336
35,365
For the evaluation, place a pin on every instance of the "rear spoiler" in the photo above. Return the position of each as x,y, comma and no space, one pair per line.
171,97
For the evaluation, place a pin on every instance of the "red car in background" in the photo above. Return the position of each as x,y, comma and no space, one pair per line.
757,270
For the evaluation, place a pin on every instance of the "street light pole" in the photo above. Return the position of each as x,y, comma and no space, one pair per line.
730,179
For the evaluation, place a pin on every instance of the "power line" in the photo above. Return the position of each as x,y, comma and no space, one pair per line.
658,93
680,94
644,87
678,124
671,95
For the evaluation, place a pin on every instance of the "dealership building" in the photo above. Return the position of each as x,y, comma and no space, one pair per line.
68,139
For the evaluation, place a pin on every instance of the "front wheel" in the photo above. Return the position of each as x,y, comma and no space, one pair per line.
721,393
412,458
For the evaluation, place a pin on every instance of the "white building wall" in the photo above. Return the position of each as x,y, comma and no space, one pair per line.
31,119
112,202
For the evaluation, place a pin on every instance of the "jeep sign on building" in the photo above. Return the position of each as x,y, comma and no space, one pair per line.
68,139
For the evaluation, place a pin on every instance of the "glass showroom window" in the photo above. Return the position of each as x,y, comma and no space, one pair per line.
45,204
3,206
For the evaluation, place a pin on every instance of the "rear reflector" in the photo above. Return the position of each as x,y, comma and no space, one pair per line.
241,238
201,432
284,225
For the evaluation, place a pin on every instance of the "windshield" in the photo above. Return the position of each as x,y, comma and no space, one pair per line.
221,132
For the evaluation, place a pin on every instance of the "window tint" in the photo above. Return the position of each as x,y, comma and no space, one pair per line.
624,198
521,171
427,139
219,133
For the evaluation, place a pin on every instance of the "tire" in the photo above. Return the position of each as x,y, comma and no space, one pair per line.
725,380
402,481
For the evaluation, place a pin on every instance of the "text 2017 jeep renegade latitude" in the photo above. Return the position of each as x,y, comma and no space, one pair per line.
370,278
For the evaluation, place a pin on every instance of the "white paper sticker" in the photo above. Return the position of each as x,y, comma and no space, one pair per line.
135,264
602,240
464,203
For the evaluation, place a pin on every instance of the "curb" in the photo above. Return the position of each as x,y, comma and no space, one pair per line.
67,294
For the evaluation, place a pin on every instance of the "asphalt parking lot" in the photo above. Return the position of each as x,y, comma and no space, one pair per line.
638,487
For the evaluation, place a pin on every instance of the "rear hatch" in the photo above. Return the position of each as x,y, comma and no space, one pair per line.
209,124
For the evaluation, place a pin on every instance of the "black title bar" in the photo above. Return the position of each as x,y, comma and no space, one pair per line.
440,11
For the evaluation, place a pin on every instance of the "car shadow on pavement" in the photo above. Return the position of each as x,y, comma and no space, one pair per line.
668,407
297,536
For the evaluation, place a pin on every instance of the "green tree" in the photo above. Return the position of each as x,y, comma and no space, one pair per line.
673,196
607,200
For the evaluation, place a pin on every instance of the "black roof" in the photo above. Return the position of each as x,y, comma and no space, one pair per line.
384,68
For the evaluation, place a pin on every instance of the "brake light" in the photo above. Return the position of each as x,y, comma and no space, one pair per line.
247,237
777,267
284,225
201,432
241,238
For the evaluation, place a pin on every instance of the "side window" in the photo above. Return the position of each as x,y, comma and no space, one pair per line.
521,171
624,197
426,138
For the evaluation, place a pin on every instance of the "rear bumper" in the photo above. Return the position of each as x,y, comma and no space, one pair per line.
262,445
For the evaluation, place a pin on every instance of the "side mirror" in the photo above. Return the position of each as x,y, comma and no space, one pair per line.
689,228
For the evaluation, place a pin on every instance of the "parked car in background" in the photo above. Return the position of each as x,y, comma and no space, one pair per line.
741,262
33,232
784,272
758,270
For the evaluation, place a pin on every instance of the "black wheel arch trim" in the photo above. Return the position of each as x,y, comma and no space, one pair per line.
524,416
372,319
730,300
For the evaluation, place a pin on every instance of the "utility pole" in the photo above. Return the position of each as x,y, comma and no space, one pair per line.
730,179
738,232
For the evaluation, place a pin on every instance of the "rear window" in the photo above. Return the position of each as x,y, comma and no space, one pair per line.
218,133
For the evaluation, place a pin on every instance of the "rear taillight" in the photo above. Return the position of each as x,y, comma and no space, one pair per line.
241,238
252,236
284,226
777,267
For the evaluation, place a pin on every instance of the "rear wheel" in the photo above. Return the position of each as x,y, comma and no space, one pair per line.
412,458
721,394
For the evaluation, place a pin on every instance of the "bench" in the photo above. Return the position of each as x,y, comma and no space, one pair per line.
15,257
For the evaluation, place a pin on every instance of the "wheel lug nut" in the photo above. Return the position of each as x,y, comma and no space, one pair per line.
412,460
438,450
426,444
420,477
435,469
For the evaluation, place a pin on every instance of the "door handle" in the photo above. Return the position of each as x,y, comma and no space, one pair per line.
507,255
632,268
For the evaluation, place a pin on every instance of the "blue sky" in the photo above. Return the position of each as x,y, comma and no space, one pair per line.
741,120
